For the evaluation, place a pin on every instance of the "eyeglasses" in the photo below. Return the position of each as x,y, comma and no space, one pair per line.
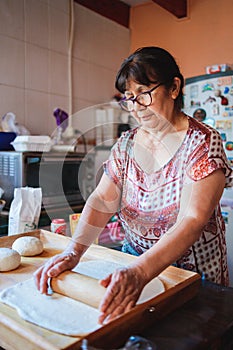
143,99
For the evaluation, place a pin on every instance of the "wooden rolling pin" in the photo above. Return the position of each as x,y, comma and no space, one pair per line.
79,287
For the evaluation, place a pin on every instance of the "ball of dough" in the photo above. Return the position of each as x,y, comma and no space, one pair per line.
9,259
28,246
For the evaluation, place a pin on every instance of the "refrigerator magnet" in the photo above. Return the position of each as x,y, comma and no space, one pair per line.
229,146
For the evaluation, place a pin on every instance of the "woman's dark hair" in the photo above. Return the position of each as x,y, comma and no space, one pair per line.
150,65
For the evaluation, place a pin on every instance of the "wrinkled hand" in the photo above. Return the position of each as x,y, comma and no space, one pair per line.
53,267
124,287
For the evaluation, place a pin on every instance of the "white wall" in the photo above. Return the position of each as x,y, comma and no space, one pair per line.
34,61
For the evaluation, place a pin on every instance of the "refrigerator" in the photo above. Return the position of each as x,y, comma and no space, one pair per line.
209,98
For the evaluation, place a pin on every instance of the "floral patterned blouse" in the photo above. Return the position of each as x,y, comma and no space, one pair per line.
150,202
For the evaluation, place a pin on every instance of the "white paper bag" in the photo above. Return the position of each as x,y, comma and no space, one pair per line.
25,210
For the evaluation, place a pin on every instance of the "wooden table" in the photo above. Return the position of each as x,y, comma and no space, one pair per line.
15,333
205,322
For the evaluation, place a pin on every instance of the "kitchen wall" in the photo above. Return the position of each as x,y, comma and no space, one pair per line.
34,36
202,39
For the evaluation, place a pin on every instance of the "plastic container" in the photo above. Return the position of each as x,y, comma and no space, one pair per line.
32,143
58,226
6,139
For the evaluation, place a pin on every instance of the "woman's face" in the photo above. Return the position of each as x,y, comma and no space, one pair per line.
161,109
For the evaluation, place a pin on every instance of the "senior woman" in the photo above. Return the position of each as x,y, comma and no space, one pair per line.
165,179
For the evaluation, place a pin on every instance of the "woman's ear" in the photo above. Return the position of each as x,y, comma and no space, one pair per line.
175,89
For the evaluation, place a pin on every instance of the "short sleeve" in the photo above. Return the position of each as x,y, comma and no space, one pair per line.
209,156
121,153
114,166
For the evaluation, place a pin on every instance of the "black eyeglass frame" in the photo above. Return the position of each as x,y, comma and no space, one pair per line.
135,99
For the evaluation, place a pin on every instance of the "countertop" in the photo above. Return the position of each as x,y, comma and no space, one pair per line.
205,322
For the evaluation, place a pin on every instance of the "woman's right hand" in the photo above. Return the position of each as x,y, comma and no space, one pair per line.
53,267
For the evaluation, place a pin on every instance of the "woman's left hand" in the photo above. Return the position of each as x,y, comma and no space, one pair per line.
124,287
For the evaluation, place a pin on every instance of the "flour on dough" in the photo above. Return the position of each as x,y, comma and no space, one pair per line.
97,269
62,314
56,312
100,269
28,246
9,259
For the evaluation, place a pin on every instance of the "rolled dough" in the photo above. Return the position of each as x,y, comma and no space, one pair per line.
62,314
9,259
55,312
28,246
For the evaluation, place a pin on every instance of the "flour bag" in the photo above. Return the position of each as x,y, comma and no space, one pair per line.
25,210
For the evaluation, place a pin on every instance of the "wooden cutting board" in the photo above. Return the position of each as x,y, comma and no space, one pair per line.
15,333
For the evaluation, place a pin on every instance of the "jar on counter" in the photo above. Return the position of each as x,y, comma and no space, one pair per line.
58,226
